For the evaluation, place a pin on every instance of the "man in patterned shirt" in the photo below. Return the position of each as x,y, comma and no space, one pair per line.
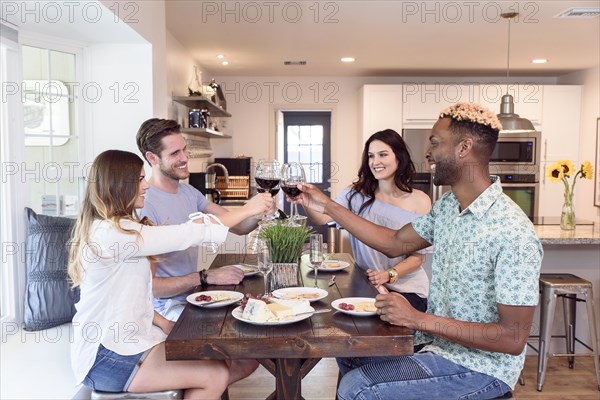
485,272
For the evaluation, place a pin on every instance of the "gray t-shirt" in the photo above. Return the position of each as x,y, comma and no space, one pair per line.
392,217
167,209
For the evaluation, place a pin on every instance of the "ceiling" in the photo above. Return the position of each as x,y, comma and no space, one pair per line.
387,38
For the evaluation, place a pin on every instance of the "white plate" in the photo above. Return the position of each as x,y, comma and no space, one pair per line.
341,265
238,312
248,269
216,295
300,293
354,300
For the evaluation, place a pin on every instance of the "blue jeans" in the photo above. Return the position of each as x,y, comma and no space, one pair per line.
421,376
113,372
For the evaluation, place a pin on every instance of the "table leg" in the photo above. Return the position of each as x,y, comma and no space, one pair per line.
288,380
288,373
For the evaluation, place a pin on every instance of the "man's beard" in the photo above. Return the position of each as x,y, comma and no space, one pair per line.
446,172
173,173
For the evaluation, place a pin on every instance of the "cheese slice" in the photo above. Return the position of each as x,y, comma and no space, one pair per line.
257,311
296,306
279,310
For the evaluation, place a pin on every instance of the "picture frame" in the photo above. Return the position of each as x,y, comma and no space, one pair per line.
597,166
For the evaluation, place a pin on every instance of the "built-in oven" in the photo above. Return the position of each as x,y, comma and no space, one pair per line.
523,189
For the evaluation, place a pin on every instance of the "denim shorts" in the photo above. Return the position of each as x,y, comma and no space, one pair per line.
113,372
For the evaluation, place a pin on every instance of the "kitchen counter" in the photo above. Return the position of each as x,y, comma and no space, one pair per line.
582,235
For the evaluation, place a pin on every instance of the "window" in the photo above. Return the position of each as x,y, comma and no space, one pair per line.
40,150
51,140
9,123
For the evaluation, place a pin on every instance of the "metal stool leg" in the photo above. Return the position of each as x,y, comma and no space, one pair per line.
547,306
570,312
589,301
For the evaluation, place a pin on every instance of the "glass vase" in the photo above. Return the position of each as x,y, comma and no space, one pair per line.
567,217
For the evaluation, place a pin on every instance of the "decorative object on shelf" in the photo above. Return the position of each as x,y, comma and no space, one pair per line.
510,121
195,118
194,87
214,92
562,170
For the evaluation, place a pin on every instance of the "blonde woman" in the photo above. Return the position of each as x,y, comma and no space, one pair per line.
119,339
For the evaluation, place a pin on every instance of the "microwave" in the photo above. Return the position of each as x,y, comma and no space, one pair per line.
517,153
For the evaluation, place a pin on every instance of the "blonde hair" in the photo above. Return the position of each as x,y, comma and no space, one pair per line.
113,185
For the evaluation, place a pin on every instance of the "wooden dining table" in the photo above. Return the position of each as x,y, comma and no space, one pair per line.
289,351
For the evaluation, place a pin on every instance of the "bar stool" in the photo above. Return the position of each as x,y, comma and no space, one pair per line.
567,286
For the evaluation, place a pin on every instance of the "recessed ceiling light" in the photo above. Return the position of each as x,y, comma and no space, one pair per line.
539,61
225,63
219,56
348,59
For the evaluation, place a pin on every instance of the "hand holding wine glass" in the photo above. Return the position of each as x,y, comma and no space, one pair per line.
291,175
265,262
316,253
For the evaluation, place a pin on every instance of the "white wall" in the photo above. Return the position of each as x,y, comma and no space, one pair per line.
112,121
148,19
590,111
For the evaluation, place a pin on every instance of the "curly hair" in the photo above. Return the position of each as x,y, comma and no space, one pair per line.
367,184
476,121
151,132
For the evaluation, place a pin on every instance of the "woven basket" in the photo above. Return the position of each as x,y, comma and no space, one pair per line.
237,188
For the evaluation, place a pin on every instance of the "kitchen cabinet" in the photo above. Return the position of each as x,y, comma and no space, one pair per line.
528,100
423,102
381,109
201,102
561,108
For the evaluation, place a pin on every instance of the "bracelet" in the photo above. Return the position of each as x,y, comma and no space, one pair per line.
203,276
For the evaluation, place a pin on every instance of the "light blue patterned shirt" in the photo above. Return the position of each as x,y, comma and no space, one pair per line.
485,255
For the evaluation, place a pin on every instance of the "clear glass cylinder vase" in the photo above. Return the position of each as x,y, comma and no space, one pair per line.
567,217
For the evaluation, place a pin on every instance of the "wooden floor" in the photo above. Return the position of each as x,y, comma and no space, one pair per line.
561,382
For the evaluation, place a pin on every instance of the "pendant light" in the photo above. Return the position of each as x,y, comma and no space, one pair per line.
510,121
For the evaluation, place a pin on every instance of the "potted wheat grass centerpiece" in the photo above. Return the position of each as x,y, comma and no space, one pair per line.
286,249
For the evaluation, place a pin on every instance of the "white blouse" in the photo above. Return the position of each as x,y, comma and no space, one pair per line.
115,307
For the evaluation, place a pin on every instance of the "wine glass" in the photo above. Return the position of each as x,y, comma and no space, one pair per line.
265,263
267,178
316,252
291,175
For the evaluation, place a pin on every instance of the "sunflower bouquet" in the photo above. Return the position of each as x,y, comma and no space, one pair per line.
562,170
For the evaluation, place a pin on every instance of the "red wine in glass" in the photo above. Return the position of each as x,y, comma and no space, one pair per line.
267,183
291,190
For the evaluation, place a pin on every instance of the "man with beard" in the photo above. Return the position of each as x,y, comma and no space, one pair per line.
484,284
169,201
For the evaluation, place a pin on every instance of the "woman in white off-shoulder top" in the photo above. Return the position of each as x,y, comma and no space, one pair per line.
118,342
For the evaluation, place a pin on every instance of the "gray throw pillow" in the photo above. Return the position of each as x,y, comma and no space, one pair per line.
49,298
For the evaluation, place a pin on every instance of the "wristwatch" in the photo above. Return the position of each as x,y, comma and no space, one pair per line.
393,274
203,277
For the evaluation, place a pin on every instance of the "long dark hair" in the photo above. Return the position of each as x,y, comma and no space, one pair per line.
366,183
